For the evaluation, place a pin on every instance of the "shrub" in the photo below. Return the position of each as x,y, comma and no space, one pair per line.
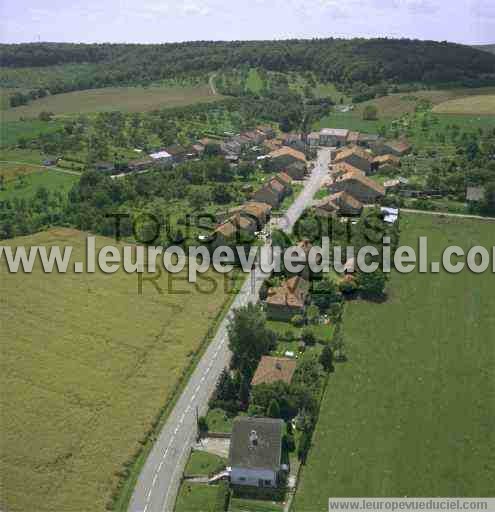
297,320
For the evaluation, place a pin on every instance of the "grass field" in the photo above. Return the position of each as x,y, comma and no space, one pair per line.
394,105
27,185
88,364
473,105
127,99
243,505
349,120
410,413
12,131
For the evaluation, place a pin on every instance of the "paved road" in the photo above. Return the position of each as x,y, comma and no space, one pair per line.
159,480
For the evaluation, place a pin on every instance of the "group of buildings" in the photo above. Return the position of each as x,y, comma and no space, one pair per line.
350,183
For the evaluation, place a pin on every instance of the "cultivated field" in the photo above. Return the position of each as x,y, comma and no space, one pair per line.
128,99
473,105
410,413
394,105
86,364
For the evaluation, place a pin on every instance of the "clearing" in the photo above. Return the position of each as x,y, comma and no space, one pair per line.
410,413
127,99
89,363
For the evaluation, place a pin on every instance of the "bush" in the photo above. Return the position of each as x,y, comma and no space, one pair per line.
223,497
203,425
297,320
308,337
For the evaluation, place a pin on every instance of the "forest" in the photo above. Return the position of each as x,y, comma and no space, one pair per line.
344,62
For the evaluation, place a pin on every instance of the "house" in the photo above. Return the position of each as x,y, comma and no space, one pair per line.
274,369
333,136
296,170
140,165
106,167
259,212
353,138
347,204
50,161
395,147
368,140
179,154
357,157
313,139
231,147
255,455
162,158
287,300
254,136
326,208
285,180
386,162
237,229
359,186
273,144
285,156
266,194
341,168
395,184
267,131
475,194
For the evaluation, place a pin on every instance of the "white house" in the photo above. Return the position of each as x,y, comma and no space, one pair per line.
162,158
256,452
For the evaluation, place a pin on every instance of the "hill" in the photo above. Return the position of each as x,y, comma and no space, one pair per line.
485,47
341,61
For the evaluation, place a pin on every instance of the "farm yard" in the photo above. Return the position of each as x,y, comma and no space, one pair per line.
91,365
126,99
409,413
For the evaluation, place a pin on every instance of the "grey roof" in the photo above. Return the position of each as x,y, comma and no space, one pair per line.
266,453
336,132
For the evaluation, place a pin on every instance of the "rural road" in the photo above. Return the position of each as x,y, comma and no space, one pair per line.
158,483
211,81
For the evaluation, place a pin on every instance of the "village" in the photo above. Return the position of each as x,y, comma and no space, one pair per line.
257,432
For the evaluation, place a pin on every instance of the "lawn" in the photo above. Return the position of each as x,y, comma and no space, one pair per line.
473,105
410,413
203,463
127,99
29,179
242,505
88,364
196,498
254,82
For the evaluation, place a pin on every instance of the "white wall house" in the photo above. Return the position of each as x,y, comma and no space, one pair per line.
256,452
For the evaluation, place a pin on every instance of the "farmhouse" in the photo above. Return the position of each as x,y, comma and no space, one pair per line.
386,162
368,140
267,131
313,139
342,168
256,452
140,165
357,157
296,170
273,192
362,188
333,136
258,212
287,300
274,369
285,156
347,204
395,147
284,179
